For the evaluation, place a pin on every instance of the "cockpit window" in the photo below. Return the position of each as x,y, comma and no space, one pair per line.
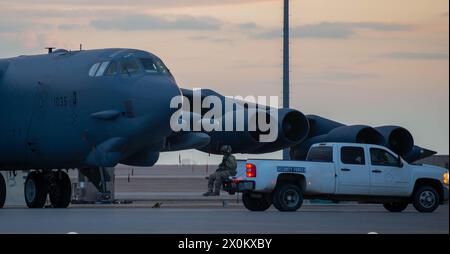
112,69
162,67
129,66
102,69
149,65
93,69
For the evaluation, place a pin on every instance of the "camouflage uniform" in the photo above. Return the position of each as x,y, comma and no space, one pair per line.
226,169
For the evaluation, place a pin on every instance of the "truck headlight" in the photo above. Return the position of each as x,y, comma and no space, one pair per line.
446,178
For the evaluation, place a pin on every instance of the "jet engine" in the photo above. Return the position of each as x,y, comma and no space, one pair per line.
292,128
398,139
344,134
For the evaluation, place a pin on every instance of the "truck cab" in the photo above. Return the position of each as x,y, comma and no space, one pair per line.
342,172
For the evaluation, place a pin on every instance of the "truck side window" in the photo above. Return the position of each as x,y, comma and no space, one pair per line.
320,154
353,155
380,157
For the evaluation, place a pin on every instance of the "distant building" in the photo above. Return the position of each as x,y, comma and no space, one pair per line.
437,160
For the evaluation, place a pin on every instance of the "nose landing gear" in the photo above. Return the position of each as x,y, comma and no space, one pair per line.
40,184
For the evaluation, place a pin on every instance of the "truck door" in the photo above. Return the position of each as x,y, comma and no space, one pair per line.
352,171
388,176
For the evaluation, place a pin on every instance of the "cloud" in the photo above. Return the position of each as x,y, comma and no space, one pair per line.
211,39
7,25
148,3
69,27
340,76
248,26
418,55
149,22
335,30
12,27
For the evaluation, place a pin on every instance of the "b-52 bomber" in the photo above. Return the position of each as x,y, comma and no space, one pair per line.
89,109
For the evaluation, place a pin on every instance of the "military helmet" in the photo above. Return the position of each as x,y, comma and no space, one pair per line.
226,149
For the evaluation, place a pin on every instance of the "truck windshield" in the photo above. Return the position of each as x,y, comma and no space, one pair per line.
320,154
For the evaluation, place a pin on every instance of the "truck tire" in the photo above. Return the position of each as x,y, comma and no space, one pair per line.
2,191
256,204
395,207
426,199
288,198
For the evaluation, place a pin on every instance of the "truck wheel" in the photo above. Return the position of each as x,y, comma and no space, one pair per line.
2,191
61,193
426,199
288,198
395,207
256,204
35,190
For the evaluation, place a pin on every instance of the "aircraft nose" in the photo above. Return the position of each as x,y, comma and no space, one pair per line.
152,96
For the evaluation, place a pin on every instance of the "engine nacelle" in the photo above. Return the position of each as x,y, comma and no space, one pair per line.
355,134
293,128
344,134
320,125
142,159
398,139
241,140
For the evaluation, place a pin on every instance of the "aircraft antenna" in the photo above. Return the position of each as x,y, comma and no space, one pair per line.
50,49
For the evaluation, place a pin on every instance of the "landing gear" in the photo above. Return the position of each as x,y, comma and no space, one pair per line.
35,190
2,191
55,184
60,190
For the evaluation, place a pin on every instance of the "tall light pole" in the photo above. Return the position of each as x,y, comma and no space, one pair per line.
286,65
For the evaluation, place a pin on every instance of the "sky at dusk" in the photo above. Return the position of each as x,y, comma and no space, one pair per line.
355,61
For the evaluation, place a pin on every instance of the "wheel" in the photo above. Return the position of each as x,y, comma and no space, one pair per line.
61,190
426,199
395,207
288,198
256,204
2,191
35,190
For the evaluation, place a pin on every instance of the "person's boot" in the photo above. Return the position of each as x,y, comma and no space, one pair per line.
207,194
215,193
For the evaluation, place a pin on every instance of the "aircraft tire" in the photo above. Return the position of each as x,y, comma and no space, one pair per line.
61,193
35,190
2,191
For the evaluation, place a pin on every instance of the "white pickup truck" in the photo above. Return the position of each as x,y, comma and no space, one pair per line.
341,172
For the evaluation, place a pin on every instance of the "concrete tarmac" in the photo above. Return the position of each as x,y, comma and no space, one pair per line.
141,219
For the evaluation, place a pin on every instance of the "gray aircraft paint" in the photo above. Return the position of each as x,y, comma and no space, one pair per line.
55,115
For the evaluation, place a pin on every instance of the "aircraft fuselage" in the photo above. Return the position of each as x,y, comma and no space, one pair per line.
57,110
